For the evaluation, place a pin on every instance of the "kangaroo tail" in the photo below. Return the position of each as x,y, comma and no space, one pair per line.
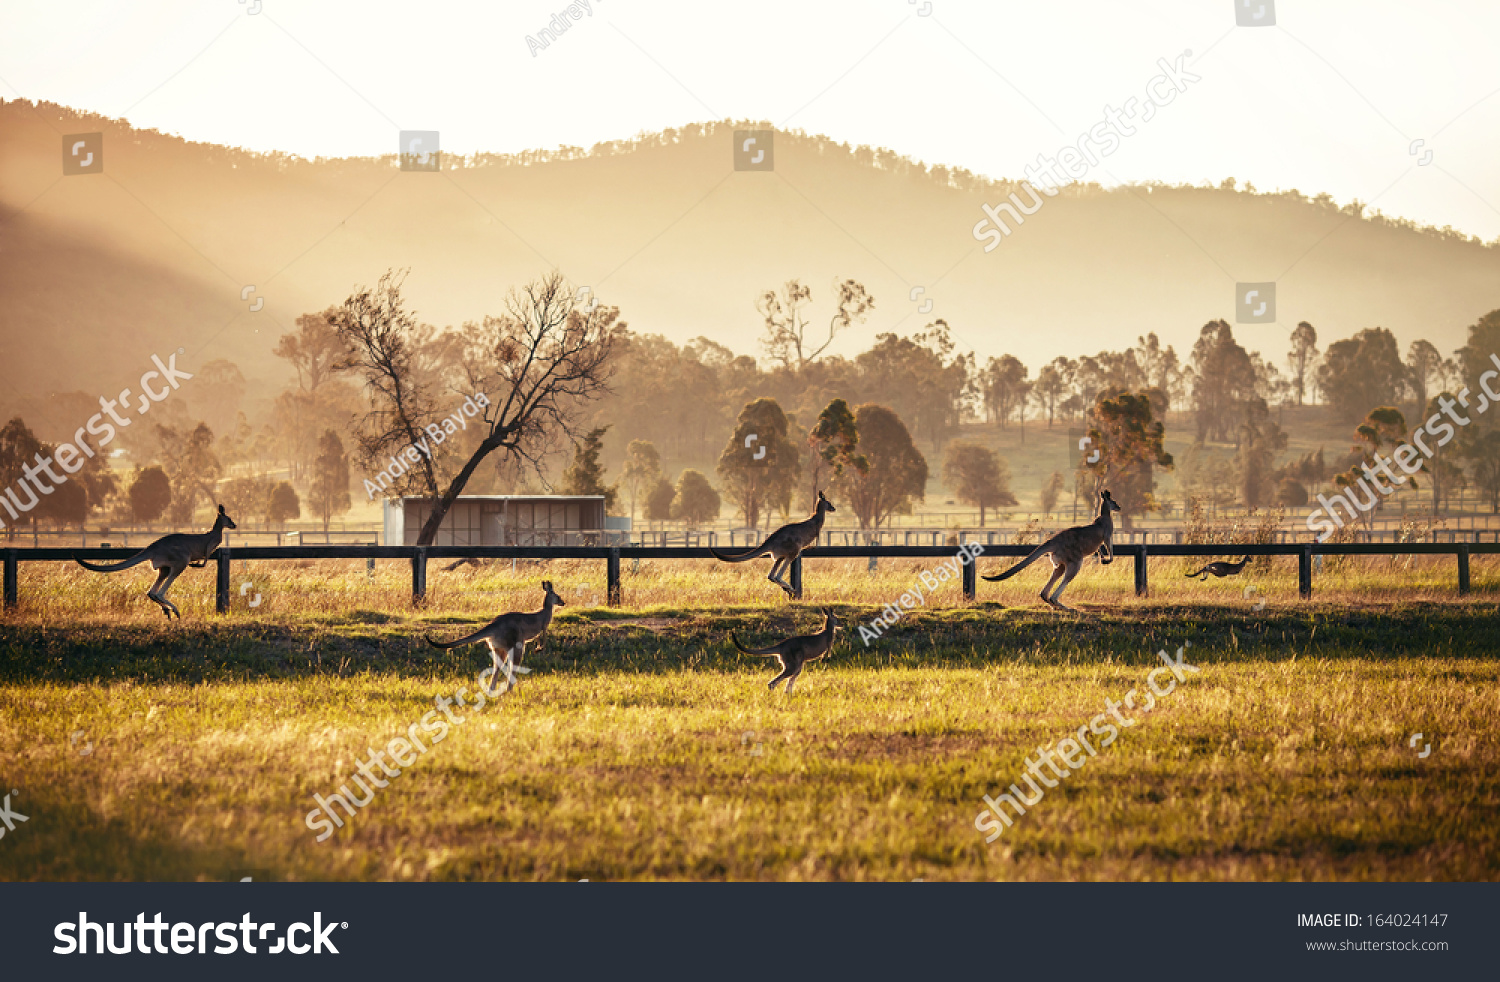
1036,554
1198,573
752,651
135,560
454,644
754,553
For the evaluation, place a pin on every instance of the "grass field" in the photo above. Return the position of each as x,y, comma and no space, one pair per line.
643,746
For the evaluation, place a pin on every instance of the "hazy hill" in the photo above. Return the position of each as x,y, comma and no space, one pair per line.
98,272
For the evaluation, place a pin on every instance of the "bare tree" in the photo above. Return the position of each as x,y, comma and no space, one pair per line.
531,370
786,337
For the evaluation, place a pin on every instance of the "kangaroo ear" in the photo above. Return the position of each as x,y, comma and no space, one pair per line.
547,585
221,509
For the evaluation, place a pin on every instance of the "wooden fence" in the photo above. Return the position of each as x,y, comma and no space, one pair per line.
419,557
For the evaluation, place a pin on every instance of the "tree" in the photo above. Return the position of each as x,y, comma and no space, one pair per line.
695,500
786,339
897,472
1051,387
19,448
1383,427
220,388
193,467
1051,491
1129,438
542,360
247,496
642,468
1224,379
586,475
1362,371
919,380
977,476
150,494
759,465
1261,440
833,443
1424,364
1300,358
1482,450
659,500
329,494
316,350
1002,385
283,505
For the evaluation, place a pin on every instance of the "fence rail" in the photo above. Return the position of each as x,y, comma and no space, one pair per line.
419,556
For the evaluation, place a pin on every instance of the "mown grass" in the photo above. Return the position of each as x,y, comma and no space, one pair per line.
630,752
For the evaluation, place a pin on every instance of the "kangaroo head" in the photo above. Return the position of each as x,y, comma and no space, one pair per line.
1107,502
824,504
552,594
832,619
225,520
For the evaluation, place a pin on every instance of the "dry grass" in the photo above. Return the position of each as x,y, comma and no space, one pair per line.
629,753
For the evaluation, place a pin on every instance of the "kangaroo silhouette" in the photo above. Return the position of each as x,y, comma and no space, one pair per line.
1069,548
784,545
172,555
795,653
510,633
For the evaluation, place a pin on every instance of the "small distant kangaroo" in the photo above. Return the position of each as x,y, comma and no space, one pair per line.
795,653
1221,568
509,633
1069,548
785,545
172,554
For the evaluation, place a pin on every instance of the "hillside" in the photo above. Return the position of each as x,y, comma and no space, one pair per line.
99,272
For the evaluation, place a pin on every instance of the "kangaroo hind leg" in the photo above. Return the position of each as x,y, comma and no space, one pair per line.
1072,571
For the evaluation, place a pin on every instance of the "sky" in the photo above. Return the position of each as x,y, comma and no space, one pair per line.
1333,97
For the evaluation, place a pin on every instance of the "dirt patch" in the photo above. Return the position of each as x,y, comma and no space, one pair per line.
650,623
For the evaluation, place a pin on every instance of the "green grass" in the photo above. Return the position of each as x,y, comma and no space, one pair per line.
629,752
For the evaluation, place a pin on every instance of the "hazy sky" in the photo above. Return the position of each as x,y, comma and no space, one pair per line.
1330,98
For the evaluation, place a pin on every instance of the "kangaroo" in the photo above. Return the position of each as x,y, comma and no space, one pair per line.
172,554
510,632
784,545
1069,548
1220,569
795,653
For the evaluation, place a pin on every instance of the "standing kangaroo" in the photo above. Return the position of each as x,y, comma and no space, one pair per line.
172,554
795,653
1069,548
510,632
1220,569
784,545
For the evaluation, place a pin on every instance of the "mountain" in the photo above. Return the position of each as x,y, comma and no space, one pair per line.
100,271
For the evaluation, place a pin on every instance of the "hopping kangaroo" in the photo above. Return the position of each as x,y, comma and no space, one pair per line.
1069,548
795,653
1221,568
172,554
784,545
509,633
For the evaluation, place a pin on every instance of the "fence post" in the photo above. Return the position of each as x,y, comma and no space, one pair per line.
1304,572
970,576
612,576
12,588
1140,570
1463,570
221,587
797,577
419,576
